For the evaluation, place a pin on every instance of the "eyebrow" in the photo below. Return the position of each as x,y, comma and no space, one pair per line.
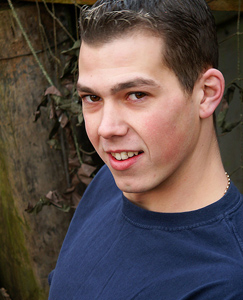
137,82
84,89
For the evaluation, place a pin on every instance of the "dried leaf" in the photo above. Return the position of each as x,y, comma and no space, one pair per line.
87,169
67,68
76,199
69,86
224,104
74,67
229,94
63,119
87,159
65,208
70,190
80,119
52,90
54,144
76,108
4,295
49,195
29,208
221,117
85,180
45,201
58,100
54,197
75,180
229,126
65,108
74,50
38,207
52,114
73,162
43,103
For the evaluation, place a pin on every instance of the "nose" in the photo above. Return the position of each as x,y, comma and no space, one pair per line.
112,122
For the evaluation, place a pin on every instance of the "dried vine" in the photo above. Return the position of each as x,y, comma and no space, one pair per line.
29,43
64,108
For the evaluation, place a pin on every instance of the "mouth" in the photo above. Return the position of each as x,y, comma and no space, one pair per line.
125,155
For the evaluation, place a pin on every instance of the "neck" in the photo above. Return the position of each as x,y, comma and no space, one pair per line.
200,181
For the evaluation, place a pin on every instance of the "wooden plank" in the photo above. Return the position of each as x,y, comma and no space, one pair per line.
225,5
79,2
220,5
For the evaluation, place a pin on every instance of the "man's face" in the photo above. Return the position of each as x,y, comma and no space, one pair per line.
137,116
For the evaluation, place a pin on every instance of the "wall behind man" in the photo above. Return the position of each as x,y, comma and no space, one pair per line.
230,64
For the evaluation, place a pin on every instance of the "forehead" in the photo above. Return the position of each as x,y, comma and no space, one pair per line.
132,45
122,60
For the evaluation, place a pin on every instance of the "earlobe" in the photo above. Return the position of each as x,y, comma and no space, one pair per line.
212,83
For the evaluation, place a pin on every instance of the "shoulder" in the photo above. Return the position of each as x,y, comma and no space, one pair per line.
227,286
235,217
101,195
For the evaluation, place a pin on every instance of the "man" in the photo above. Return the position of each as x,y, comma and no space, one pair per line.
161,220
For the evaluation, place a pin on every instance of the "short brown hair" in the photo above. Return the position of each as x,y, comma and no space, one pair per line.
186,26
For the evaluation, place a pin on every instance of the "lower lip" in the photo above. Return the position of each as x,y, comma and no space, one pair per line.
121,165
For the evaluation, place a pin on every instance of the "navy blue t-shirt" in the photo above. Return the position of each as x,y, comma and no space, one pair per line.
115,250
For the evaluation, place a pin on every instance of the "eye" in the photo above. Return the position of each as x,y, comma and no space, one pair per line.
90,98
136,96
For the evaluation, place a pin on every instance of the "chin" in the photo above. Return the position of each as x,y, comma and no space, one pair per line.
131,189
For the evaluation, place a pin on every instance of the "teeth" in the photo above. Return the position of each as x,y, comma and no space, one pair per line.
131,154
117,156
124,155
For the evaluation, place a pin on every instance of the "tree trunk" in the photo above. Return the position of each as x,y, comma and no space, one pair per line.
28,167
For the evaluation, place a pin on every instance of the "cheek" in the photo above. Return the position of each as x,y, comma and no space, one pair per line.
166,138
92,129
160,128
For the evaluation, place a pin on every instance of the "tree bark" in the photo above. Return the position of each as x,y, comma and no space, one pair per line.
28,167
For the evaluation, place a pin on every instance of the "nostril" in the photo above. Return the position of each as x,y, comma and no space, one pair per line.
110,128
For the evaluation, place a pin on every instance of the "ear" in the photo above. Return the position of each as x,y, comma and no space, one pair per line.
212,83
